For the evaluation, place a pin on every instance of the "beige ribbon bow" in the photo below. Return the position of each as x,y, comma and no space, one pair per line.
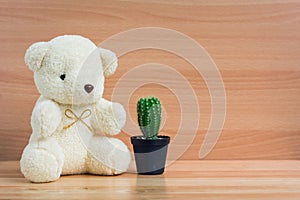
71,115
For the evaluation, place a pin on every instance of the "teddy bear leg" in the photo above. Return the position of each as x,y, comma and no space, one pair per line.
107,156
42,161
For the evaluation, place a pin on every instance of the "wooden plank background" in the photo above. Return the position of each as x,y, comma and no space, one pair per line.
255,44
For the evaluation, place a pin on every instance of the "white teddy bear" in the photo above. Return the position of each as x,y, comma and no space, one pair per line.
69,73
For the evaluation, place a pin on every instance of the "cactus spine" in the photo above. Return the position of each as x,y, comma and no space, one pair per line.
149,116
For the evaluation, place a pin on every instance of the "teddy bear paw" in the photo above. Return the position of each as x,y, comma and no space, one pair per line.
107,156
39,166
119,114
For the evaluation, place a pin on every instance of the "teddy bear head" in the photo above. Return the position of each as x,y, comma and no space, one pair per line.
70,69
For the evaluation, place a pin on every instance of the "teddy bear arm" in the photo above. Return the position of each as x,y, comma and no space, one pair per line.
109,117
45,119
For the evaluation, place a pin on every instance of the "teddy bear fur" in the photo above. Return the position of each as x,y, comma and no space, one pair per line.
69,73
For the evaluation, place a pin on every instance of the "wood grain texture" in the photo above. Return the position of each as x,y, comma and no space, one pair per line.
255,44
184,179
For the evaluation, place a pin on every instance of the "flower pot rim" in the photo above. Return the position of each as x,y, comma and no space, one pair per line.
141,137
140,140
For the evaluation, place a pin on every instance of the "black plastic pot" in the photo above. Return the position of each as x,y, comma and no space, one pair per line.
150,155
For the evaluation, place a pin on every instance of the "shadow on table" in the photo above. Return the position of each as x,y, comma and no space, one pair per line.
150,187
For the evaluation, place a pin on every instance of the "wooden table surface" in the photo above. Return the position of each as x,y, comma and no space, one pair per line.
183,179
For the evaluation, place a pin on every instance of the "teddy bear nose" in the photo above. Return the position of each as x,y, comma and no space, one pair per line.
88,88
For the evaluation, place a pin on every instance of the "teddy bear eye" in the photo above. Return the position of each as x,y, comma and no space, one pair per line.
62,77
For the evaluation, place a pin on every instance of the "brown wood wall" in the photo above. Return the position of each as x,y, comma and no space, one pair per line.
255,44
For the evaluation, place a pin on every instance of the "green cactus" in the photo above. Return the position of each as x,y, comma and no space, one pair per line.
149,116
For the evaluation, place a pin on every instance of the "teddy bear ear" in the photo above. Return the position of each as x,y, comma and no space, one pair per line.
109,61
35,54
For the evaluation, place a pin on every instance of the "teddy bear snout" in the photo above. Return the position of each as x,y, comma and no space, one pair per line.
88,88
